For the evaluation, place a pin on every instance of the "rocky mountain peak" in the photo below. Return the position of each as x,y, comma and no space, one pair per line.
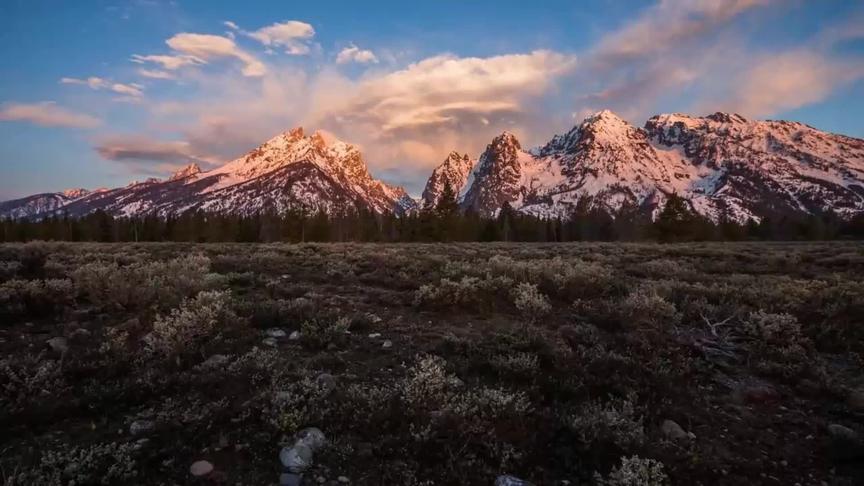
455,170
504,141
75,193
190,170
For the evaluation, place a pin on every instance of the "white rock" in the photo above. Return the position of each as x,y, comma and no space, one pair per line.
507,480
141,426
673,431
276,333
58,344
201,468
296,458
269,342
387,344
295,335
375,335
311,437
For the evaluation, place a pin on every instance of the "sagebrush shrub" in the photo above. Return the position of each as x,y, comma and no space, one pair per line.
35,297
107,464
295,404
471,292
25,380
142,284
321,332
635,471
615,420
645,308
185,328
530,302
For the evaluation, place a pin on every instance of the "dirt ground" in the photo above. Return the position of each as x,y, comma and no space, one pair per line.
422,364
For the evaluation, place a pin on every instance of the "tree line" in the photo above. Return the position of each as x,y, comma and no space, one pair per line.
443,221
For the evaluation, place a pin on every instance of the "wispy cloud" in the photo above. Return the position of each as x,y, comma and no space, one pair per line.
156,74
172,63
47,113
148,155
131,91
292,36
206,47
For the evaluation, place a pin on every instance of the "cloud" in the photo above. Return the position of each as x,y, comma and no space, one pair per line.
679,50
206,47
776,83
156,74
150,156
171,63
47,113
129,91
353,53
669,24
290,35
445,90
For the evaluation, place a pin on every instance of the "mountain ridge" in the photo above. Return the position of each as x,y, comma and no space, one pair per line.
723,165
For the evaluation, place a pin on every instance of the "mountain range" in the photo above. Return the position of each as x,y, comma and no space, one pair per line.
723,165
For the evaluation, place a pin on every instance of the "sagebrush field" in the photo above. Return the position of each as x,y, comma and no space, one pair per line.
613,364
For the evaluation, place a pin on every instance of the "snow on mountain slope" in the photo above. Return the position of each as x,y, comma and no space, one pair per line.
454,170
289,171
724,165
30,206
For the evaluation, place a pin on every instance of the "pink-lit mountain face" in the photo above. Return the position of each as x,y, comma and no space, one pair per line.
290,171
723,165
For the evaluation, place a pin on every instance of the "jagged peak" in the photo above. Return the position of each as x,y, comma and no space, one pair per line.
726,117
75,193
188,171
604,118
506,138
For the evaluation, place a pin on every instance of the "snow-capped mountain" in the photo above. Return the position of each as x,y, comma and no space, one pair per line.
30,206
724,165
454,170
289,171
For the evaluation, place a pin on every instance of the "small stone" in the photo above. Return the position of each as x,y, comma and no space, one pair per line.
387,344
295,335
269,342
141,426
673,431
290,479
311,437
375,335
58,344
843,433
296,458
201,468
276,333
343,479
507,480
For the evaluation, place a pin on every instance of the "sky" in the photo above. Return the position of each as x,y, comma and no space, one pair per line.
98,93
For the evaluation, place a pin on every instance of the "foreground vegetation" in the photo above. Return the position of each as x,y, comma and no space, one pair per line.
609,364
